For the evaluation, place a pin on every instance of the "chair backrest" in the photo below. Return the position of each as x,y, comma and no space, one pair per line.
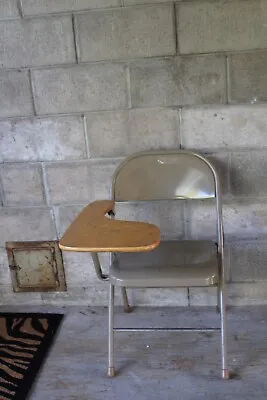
165,175
168,175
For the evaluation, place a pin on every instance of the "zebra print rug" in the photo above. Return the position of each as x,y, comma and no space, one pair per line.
24,342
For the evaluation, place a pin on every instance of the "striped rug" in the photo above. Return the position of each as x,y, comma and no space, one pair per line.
24,342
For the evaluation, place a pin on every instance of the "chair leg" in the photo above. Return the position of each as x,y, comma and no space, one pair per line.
225,371
111,368
218,310
127,308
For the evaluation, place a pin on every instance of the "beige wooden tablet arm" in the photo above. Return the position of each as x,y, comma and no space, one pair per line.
93,231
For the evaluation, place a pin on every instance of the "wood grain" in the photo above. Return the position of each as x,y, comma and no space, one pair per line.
93,231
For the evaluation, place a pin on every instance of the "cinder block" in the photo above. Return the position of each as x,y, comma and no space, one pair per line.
86,295
68,182
126,33
79,268
80,88
221,163
15,94
5,276
9,9
9,298
200,220
203,296
107,133
154,83
245,219
229,127
201,79
159,297
247,294
248,174
135,2
178,81
167,215
97,295
208,26
36,42
248,260
22,184
120,133
23,224
65,216
42,139
248,77
35,7
101,178
80,182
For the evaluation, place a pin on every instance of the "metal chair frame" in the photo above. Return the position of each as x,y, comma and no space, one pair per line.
221,295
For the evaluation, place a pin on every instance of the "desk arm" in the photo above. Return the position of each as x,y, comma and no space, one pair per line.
93,232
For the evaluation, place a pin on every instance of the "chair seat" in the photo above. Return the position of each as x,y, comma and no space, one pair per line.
171,264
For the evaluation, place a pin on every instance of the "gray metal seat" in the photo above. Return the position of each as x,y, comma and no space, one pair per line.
171,264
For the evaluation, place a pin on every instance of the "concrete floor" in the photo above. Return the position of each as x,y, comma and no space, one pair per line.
184,366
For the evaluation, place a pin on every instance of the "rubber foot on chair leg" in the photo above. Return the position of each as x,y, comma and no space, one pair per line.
111,372
225,374
127,309
218,310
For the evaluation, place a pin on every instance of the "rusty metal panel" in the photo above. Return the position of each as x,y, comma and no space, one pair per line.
36,266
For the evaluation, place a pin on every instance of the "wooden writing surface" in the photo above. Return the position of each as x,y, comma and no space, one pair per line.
93,231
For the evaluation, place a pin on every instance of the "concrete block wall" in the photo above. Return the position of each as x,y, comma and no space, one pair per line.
84,83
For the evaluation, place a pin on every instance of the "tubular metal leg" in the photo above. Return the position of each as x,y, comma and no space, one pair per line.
225,372
218,310
127,308
111,368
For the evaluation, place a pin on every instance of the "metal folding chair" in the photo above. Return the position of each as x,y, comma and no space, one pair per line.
139,259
